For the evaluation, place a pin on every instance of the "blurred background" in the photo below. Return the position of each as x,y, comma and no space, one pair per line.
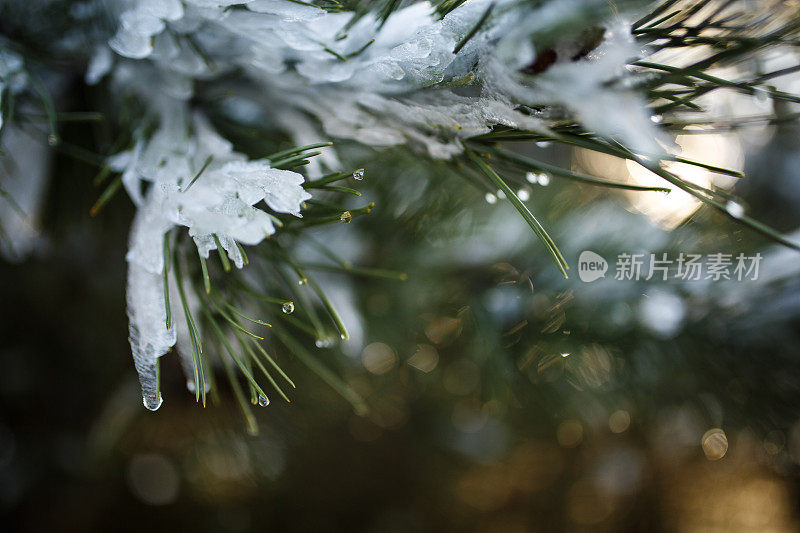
502,397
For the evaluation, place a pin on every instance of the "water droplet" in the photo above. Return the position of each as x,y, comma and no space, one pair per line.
524,194
288,307
490,198
359,174
543,144
656,119
191,387
531,177
323,343
302,281
734,209
53,140
565,354
544,179
345,217
501,195
263,401
152,401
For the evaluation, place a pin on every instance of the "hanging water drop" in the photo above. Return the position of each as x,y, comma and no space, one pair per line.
500,195
656,119
52,139
263,401
734,209
152,401
288,307
543,144
345,217
302,281
323,343
359,174
531,177
524,194
490,198
544,179
191,387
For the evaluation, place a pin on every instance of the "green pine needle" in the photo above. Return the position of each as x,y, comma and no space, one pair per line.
534,224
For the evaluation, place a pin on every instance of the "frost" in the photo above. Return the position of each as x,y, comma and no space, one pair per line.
368,82
584,87
199,182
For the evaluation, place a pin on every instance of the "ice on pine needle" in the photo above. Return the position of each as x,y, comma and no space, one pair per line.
198,182
367,82
148,333
378,82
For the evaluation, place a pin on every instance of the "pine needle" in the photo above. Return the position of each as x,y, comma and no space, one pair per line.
538,229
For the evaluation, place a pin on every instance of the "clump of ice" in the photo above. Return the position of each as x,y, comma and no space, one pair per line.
199,182
586,87
369,81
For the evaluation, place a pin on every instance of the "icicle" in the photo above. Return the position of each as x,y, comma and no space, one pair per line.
148,335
